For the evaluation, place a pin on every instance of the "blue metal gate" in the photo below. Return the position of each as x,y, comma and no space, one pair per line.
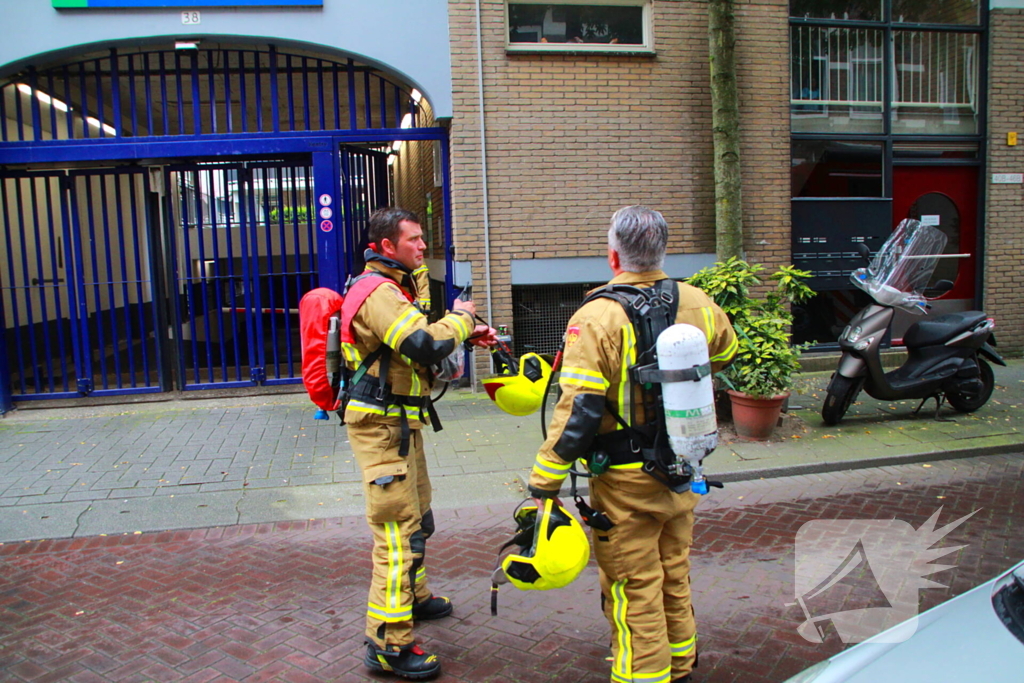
78,300
122,281
364,188
244,251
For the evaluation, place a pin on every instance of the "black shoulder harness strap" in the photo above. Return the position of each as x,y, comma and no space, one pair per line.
643,307
383,394
650,311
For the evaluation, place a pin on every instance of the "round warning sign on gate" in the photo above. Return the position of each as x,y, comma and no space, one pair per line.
325,200
326,212
326,226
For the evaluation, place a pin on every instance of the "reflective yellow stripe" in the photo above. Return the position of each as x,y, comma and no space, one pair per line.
416,386
627,466
625,389
552,470
588,379
684,648
393,610
662,676
351,353
709,322
389,615
401,325
463,325
360,407
393,592
392,411
421,269
622,667
421,573
729,352
384,662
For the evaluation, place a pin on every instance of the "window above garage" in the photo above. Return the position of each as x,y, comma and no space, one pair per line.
616,26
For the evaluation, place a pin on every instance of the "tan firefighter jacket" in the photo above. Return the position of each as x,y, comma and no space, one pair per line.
600,345
421,276
387,316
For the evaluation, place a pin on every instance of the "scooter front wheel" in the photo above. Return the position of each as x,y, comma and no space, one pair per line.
841,393
969,402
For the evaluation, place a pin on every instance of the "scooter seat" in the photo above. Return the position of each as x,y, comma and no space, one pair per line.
941,329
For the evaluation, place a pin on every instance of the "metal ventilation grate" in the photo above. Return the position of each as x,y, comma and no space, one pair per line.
540,314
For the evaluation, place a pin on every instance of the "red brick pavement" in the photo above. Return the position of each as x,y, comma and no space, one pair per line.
284,602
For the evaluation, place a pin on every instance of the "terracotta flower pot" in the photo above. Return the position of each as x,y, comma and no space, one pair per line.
755,418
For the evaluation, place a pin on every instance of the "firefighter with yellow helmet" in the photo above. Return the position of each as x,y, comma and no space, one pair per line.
603,419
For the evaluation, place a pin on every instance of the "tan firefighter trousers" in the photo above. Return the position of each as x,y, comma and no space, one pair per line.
398,512
644,564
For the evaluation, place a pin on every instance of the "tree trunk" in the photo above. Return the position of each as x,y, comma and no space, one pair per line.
725,122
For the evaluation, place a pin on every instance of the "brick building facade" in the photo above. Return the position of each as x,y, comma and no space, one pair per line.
1004,203
572,137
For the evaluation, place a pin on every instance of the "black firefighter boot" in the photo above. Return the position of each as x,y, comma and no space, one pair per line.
408,661
434,607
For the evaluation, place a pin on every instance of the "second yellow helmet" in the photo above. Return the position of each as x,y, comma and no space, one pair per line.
522,393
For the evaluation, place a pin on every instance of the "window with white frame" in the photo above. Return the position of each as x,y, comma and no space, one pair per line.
579,25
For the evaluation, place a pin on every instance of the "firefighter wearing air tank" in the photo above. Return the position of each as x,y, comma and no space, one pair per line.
605,420
384,421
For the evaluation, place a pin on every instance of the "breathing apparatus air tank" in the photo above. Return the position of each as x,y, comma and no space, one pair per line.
689,403
334,361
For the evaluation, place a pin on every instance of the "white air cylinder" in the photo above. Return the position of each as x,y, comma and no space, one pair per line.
689,405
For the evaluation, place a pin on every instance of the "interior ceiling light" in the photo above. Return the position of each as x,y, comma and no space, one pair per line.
186,45
59,105
407,121
416,95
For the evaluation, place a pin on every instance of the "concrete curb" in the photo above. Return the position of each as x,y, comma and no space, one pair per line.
837,466
866,463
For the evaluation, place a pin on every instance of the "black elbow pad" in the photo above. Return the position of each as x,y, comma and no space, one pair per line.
582,426
424,349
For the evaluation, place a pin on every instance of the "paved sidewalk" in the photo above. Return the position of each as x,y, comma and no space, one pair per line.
203,463
285,602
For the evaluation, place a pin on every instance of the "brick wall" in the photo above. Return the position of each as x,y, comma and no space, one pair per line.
762,61
1004,215
413,173
571,138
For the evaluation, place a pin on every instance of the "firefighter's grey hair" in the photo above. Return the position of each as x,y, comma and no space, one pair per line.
639,234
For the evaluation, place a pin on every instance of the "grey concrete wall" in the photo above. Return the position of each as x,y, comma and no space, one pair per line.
407,37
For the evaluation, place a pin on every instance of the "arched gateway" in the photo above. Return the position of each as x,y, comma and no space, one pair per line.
163,208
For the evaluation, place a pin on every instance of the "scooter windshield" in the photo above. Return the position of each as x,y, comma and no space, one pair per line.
901,269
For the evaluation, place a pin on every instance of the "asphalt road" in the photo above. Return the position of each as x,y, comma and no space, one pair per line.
285,601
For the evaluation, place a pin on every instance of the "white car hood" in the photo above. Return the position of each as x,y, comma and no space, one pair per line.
959,640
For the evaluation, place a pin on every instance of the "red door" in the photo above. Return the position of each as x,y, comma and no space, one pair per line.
947,197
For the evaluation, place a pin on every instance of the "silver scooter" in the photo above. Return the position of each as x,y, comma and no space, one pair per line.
946,355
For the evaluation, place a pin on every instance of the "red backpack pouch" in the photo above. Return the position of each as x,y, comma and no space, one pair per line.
316,308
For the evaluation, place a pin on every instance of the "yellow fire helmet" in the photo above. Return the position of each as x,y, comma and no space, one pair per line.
520,394
553,548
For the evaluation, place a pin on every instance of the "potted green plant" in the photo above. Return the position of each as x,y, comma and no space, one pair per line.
761,375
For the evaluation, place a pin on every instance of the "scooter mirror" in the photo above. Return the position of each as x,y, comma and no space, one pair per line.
864,251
